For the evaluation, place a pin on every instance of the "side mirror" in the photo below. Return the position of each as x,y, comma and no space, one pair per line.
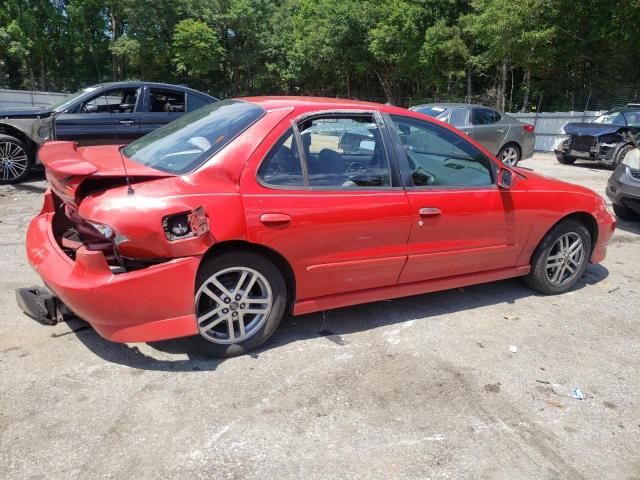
505,179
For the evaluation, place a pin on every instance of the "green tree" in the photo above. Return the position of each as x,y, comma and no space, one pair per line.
196,50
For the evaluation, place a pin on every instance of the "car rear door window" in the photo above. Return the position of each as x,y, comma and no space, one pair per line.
195,102
345,152
458,117
484,116
282,165
331,152
166,100
438,157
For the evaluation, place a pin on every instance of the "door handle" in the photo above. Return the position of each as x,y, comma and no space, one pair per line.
275,219
500,130
429,212
127,122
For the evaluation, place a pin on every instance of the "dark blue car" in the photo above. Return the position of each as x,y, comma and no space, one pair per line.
107,113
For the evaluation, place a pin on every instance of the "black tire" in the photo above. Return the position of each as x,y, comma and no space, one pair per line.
14,148
620,156
515,149
538,278
270,273
625,213
566,159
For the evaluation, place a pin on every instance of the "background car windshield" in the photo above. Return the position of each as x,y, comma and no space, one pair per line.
188,142
611,118
62,103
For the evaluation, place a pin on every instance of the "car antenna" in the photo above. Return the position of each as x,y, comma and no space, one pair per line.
130,190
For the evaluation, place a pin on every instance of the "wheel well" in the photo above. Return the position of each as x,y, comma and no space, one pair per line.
587,220
20,135
277,259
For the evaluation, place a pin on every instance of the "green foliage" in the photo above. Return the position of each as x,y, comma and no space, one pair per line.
510,52
196,49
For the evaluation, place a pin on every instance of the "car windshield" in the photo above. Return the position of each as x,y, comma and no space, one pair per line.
432,111
185,144
62,103
611,118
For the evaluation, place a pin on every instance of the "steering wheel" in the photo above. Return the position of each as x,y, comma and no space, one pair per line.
355,167
418,169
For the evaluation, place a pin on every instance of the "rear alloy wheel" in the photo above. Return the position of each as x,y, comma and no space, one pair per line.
239,301
561,258
566,159
15,160
509,155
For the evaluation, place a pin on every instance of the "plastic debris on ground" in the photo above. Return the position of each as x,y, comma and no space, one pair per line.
563,391
513,349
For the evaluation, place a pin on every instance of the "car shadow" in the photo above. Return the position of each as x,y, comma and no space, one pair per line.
33,183
333,325
630,226
596,167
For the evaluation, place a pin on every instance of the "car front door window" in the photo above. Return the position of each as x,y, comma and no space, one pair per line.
122,100
440,158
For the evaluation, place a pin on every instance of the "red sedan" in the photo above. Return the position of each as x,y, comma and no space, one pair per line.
226,219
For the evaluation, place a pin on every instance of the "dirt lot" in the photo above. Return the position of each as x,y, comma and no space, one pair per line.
422,387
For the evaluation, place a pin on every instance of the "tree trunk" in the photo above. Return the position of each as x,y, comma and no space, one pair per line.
468,97
348,83
43,76
386,88
114,35
503,86
527,87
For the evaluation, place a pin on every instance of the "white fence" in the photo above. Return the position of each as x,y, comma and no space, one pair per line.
27,98
549,125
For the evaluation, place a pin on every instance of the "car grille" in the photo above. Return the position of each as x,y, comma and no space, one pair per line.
582,143
634,173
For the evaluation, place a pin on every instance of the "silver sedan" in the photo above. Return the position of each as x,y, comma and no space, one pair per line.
508,139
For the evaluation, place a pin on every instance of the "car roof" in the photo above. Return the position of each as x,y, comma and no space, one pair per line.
452,105
319,103
623,110
140,83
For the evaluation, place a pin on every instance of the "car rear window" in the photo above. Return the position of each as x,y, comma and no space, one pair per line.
185,144
431,111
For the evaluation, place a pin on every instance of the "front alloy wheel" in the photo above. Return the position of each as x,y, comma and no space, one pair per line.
561,258
565,259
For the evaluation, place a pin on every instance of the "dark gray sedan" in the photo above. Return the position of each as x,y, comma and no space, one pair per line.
623,187
116,112
508,139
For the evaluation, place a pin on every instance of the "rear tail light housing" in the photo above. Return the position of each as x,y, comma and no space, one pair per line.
528,128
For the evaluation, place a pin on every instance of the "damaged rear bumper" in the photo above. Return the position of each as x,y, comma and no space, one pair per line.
154,303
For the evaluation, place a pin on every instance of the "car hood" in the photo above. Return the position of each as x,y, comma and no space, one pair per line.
594,129
24,112
536,181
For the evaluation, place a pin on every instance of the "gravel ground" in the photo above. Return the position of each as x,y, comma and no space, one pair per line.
422,387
